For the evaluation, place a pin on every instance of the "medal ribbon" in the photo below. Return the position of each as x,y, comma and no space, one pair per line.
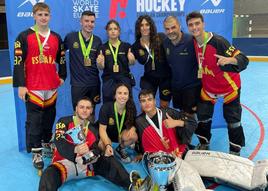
205,44
116,51
151,54
159,117
203,50
119,127
85,50
39,41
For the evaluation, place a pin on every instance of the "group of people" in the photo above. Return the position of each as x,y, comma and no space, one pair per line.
193,70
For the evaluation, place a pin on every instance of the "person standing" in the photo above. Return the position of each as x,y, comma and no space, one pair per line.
114,59
148,50
83,49
180,54
37,51
218,68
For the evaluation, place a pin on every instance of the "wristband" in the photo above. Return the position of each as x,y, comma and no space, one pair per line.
107,145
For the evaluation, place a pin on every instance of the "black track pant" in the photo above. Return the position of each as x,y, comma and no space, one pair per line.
232,115
39,124
107,167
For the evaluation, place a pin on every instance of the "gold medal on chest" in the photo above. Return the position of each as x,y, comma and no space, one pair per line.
116,68
87,61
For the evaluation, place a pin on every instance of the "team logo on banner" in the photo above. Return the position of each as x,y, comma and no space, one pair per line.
33,2
27,13
80,6
115,7
212,9
156,8
214,2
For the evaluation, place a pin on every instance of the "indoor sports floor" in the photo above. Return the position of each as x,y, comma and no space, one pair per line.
17,172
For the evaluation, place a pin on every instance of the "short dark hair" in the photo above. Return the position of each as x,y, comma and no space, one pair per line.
145,92
171,17
88,13
193,15
85,98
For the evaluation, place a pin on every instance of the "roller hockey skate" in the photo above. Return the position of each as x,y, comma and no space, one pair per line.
38,162
138,184
122,154
47,151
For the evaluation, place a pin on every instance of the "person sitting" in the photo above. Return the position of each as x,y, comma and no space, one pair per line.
68,159
116,123
165,130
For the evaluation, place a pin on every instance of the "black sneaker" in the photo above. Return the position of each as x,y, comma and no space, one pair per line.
122,154
38,162
202,146
138,184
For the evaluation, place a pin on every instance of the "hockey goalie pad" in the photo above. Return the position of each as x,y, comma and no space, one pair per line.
229,169
186,178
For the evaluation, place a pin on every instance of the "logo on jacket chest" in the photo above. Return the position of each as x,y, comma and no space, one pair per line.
75,45
107,52
184,52
111,121
141,52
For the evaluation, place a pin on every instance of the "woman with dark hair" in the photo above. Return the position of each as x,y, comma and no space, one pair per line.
116,122
148,50
114,59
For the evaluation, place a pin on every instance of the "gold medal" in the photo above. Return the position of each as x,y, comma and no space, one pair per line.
87,62
116,68
41,58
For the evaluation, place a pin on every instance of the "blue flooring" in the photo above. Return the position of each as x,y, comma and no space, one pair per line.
17,173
